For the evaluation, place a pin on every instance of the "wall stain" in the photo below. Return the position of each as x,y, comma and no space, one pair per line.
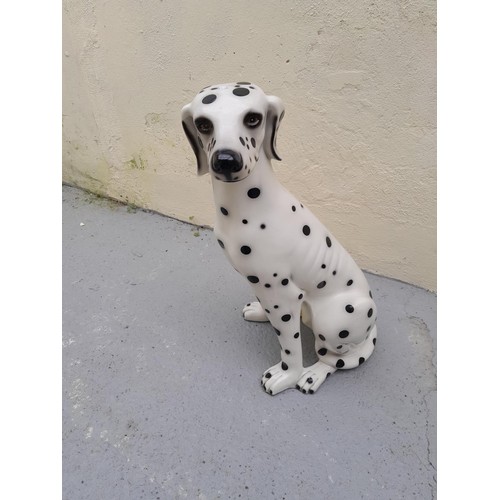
137,164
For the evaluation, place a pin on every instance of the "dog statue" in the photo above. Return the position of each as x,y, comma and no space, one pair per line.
296,268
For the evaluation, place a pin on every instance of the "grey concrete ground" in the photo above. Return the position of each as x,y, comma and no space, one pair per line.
161,387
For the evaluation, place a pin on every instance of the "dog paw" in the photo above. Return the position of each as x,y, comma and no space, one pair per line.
313,377
278,378
254,312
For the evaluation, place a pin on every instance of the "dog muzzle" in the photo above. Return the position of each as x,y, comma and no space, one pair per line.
226,163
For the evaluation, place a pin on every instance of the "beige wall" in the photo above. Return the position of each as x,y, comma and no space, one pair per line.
357,78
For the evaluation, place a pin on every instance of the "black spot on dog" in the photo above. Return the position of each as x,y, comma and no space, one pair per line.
349,308
284,282
240,92
210,98
349,283
343,334
284,366
245,250
322,351
306,230
334,273
286,317
267,285
253,279
296,336
340,363
361,360
242,141
263,226
253,193
323,266
287,351
293,208
252,140
220,243
224,211
301,296
328,242
322,337
277,331
321,285
244,221
370,313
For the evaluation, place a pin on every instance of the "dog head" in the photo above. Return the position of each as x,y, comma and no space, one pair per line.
229,126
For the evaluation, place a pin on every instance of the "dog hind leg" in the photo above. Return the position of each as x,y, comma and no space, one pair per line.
255,312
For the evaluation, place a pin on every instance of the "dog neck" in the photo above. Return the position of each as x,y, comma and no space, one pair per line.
235,196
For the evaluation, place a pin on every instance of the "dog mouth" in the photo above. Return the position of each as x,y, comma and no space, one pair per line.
229,178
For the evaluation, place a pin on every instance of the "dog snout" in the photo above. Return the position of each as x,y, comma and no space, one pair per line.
226,162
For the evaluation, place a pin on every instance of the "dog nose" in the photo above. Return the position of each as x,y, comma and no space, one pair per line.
226,161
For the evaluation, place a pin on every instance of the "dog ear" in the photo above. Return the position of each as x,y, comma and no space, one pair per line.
194,140
275,113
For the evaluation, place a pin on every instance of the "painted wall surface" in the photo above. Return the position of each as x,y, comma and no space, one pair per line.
358,80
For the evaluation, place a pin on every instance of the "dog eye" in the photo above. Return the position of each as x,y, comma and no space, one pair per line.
252,120
204,125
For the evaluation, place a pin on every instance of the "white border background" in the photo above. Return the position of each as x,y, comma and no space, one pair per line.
30,328
468,249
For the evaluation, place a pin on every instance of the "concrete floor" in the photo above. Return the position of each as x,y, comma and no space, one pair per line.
161,378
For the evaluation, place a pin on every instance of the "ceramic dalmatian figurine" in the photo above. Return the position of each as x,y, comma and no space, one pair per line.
296,268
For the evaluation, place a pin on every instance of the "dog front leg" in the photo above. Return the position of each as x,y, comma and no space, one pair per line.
283,311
